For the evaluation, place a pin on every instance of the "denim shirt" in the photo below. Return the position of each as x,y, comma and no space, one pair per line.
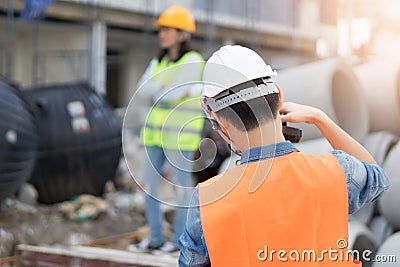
365,182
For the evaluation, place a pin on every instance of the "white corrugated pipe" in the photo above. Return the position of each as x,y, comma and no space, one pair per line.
379,144
389,203
331,86
380,81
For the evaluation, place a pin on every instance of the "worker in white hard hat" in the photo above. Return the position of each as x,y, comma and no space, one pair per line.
278,202
172,130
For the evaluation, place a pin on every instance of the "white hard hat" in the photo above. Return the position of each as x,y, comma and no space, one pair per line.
232,65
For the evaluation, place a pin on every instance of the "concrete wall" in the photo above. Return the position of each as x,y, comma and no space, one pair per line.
61,53
63,49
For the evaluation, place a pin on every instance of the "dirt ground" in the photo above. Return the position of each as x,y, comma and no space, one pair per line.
36,224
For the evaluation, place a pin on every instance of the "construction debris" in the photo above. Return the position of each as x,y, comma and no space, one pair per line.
83,208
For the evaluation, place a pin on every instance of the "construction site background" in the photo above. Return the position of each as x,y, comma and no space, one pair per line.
108,43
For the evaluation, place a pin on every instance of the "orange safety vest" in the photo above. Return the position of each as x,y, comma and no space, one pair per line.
296,217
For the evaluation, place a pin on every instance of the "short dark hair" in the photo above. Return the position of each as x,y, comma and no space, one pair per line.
246,116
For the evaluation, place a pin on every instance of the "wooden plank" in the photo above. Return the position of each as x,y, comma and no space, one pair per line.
137,235
8,260
102,255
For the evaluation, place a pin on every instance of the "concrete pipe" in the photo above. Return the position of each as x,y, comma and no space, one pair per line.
314,146
379,144
381,229
381,84
389,252
361,239
331,86
357,231
389,202
364,215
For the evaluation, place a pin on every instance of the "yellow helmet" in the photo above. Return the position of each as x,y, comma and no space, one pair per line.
177,17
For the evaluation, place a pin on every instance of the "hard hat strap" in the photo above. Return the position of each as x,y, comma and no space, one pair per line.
243,92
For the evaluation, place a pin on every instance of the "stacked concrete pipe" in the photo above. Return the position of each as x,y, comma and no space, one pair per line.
380,81
315,146
379,144
381,229
361,239
364,215
331,86
389,252
389,202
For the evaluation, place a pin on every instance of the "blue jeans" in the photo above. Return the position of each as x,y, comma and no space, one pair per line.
181,182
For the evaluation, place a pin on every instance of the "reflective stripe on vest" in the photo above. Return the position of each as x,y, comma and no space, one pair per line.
299,209
174,124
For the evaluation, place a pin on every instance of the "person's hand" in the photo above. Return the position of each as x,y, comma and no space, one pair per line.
292,112
336,136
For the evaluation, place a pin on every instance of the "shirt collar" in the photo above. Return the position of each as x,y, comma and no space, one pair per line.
266,152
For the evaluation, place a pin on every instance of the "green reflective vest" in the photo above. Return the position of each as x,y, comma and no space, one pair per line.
174,124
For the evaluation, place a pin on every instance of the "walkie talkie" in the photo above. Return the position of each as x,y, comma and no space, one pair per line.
290,133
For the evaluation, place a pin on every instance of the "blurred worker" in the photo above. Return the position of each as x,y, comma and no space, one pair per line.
278,202
173,126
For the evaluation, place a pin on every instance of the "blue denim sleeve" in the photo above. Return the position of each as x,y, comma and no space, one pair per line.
191,242
365,182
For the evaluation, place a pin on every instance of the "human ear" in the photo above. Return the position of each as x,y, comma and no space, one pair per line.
280,97
183,36
223,124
